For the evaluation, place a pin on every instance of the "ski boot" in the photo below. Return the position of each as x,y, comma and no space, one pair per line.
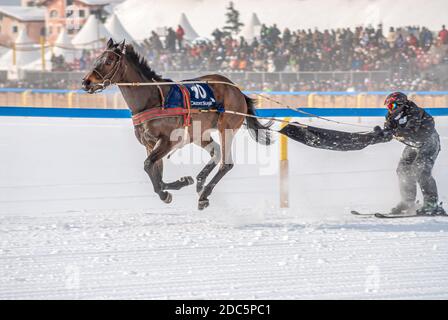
431,209
404,207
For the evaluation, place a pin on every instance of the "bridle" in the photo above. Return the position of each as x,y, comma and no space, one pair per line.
108,78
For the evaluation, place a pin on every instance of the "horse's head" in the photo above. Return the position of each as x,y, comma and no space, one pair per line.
106,68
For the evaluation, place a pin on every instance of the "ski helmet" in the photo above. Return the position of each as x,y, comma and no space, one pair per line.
395,99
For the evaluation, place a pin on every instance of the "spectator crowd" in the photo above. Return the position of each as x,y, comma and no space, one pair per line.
412,57
364,49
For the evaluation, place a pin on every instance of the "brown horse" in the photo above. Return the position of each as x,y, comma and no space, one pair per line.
120,63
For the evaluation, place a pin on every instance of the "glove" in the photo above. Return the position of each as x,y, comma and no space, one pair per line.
378,130
382,134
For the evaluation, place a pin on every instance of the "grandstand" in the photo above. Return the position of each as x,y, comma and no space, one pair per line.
370,52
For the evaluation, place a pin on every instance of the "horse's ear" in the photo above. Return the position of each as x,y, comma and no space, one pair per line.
110,43
122,46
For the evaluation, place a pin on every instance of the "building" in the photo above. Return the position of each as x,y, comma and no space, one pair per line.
14,19
48,17
69,14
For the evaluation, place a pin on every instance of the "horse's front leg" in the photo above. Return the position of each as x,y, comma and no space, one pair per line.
154,169
179,184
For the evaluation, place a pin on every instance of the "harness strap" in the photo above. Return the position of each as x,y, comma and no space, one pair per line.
187,104
162,112
157,113
162,98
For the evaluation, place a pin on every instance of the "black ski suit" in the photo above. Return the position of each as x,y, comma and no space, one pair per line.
414,127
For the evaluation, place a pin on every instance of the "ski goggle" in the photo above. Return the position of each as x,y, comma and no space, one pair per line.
392,106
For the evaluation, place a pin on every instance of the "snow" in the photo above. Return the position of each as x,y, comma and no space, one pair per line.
79,219
24,13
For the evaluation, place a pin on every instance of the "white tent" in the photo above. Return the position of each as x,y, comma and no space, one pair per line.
116,29
26,52
252,28
63,46
152,15
3,50
90,34
190,33
140,17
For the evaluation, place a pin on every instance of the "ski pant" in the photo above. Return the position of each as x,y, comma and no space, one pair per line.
416,166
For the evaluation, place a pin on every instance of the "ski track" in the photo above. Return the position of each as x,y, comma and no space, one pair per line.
173,255
96,231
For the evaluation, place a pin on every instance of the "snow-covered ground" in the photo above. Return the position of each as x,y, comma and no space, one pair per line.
79,219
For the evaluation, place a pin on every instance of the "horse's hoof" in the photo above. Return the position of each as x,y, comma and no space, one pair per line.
202,204
187,180
168,198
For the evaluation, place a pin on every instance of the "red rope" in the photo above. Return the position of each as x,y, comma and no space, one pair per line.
187,104
156,113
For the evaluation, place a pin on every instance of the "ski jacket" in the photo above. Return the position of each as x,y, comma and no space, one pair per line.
410,124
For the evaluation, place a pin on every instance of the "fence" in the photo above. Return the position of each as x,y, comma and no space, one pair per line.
3,75
112,99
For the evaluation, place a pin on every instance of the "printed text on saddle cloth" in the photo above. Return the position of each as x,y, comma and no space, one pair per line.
201,96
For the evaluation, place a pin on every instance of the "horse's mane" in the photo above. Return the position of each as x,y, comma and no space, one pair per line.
141,63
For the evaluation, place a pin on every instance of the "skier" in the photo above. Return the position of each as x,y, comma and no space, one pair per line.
414,127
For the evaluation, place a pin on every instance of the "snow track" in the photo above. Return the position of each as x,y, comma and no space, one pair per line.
78,219
174,254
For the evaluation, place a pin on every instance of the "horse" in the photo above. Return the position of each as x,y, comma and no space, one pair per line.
121,63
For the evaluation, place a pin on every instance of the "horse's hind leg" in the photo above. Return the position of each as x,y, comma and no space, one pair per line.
214,150
226,166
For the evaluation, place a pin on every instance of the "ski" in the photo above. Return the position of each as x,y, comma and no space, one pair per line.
360,214
384,215
392,216
395,216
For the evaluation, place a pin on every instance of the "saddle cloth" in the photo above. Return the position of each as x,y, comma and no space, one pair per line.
196,96
182,100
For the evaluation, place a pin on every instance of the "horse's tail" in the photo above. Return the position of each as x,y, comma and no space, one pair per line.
258,131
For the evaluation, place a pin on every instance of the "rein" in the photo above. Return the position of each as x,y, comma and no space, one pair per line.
107,80
138,84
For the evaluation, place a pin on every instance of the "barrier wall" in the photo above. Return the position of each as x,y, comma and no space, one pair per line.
272,113
112,99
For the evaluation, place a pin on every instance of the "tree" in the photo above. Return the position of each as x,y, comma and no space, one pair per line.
233,23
